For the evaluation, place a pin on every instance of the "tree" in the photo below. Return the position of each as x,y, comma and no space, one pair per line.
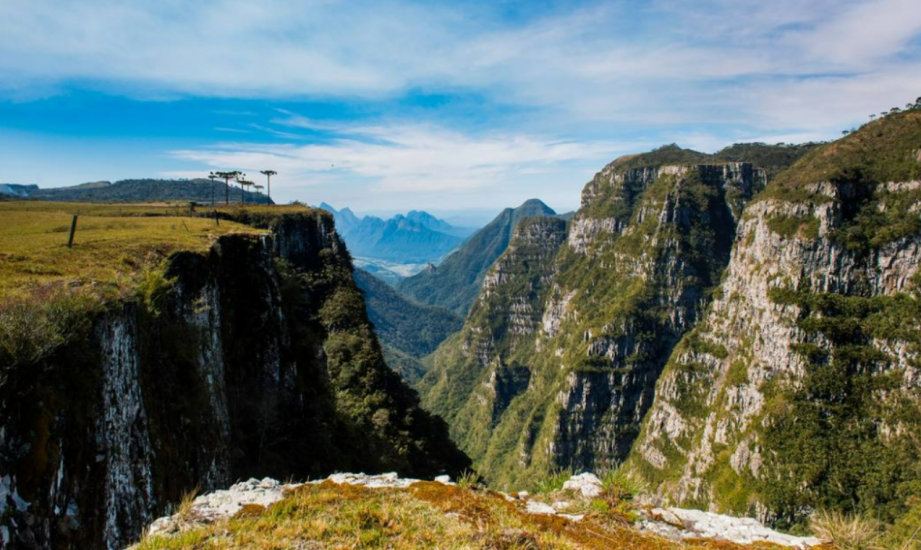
243,185
268,176
227,176
872,117
212,176
845,132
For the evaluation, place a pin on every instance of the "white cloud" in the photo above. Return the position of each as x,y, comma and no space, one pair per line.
613,61
414,161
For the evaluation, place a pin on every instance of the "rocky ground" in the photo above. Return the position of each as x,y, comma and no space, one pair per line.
572,504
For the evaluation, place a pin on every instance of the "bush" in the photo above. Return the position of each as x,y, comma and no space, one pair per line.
846,532
553,481
619,486
33,328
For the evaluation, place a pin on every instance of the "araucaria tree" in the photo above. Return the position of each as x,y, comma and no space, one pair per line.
227,176
268,176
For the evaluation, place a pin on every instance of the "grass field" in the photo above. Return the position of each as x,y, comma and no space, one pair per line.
113,245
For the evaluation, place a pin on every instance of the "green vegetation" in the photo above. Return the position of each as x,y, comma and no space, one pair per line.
409,329
828,444
773,159
793,226
882,151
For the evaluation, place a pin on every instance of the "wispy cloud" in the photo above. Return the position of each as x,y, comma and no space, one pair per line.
410,160
555,90
617,60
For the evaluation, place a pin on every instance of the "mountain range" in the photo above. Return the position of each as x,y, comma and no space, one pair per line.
414,238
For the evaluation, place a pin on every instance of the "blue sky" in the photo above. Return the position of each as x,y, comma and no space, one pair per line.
392,105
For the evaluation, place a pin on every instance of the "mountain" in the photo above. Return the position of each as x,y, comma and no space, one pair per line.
800,387
147,190
455,282
416,238
345,218
431,222
561,350
412,330
155,361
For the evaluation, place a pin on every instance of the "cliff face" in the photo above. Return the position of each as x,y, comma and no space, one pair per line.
799,388
559,366
254,359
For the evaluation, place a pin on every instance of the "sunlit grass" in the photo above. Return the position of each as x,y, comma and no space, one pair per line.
426,515
114,243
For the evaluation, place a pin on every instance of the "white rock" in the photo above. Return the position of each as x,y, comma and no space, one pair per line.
707,525
587,484
443,479
535,507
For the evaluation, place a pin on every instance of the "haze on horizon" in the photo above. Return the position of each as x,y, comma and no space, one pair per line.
398,105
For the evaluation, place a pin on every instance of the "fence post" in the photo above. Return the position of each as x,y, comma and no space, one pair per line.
73,229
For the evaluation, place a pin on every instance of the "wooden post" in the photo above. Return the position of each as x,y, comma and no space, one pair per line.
73,229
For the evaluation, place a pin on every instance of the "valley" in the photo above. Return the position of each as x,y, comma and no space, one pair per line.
735,332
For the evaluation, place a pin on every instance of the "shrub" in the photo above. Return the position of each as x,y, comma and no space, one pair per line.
553,481
618,485
33,328
846,532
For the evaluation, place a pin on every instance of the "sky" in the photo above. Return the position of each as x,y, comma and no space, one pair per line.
392,105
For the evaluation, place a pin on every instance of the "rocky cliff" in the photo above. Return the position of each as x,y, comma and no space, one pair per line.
255,358
799,388
559,357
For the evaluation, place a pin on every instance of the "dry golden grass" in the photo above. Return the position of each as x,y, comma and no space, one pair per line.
114,243
424,516
847,532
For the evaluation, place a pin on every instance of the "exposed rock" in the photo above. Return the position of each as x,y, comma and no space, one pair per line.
540,508
678,524
587,484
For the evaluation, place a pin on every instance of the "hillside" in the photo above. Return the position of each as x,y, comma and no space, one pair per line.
166,352
150,191
411,329
456,281
799,388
